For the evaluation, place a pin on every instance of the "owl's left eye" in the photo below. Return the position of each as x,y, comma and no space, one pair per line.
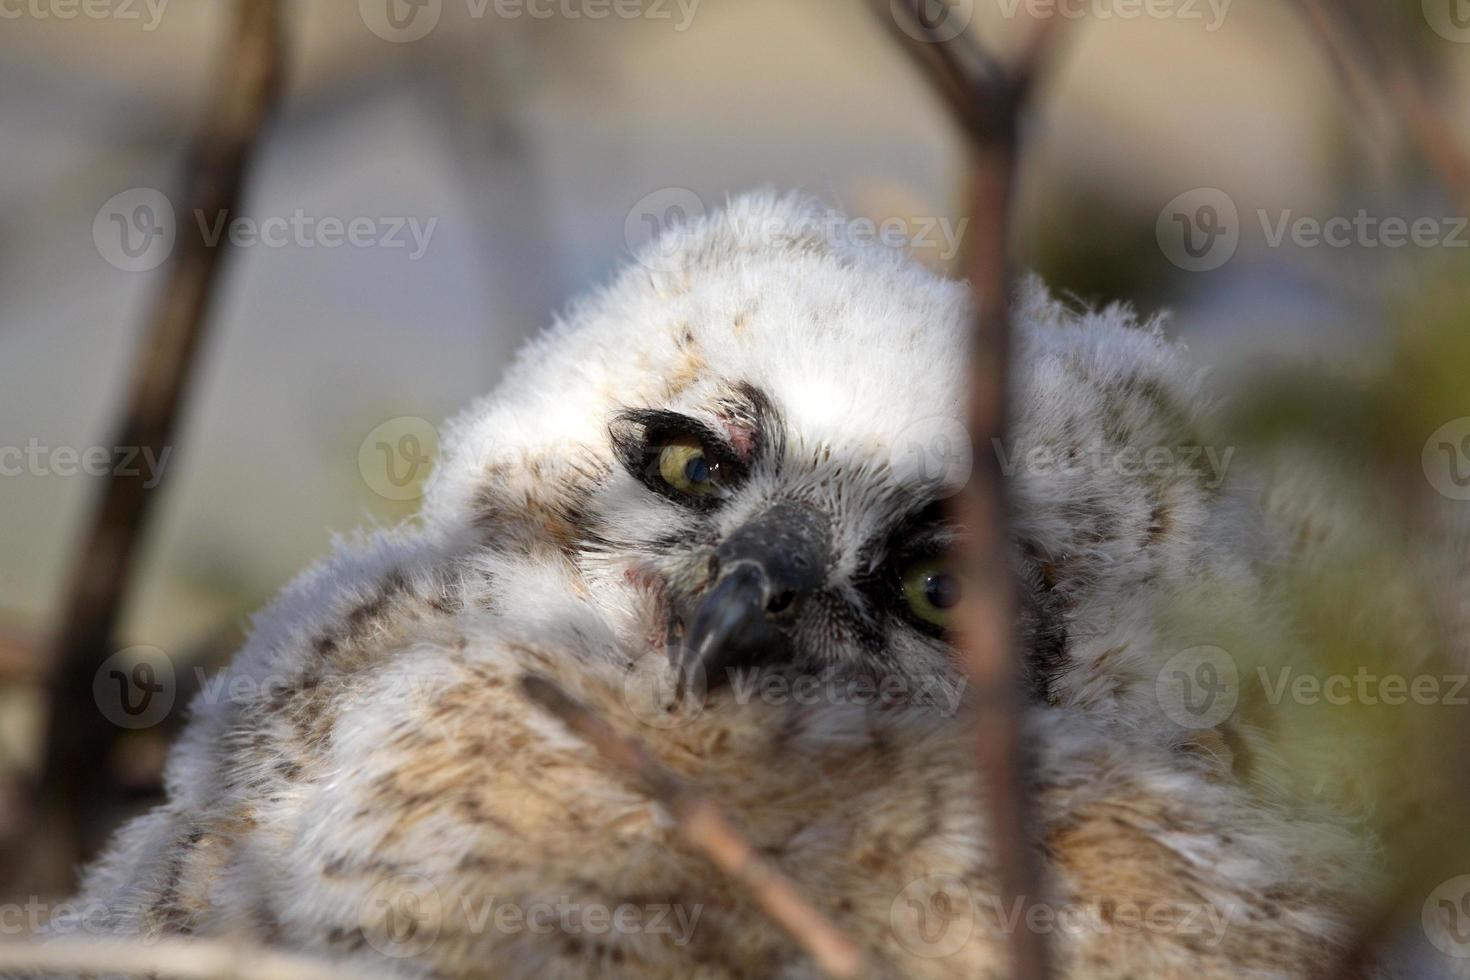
931,591
686,467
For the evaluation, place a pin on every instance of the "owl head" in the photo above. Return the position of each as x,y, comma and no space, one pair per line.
741,450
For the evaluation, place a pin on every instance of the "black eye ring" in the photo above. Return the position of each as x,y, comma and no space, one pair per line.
676,456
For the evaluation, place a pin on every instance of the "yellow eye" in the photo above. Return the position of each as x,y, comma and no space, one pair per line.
684,466
932,591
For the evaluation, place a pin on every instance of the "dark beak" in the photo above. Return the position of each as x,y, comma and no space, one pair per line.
762,573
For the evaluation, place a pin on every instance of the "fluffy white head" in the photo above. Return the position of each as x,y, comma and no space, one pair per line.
830,375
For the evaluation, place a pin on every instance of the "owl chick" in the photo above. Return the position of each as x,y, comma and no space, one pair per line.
709,503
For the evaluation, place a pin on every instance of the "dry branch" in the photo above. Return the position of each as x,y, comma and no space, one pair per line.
78,736
1370,116
1368,84
987,100
706,829
21,659
1372,76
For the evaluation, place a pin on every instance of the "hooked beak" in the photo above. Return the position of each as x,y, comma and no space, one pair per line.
762,572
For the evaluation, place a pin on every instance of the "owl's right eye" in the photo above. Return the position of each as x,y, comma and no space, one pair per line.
685,466
676,456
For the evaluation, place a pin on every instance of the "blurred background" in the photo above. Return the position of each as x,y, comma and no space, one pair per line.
501,158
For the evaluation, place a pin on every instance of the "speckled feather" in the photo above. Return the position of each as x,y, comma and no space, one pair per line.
375,755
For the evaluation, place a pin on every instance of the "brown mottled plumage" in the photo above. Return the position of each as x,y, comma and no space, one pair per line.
367,783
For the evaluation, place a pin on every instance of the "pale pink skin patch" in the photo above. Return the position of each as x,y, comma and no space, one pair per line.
742,439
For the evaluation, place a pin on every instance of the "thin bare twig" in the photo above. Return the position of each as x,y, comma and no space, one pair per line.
77,736
1377,75
166,956
1371,120
987,101
21,659
706,829
1369,85
1431,131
